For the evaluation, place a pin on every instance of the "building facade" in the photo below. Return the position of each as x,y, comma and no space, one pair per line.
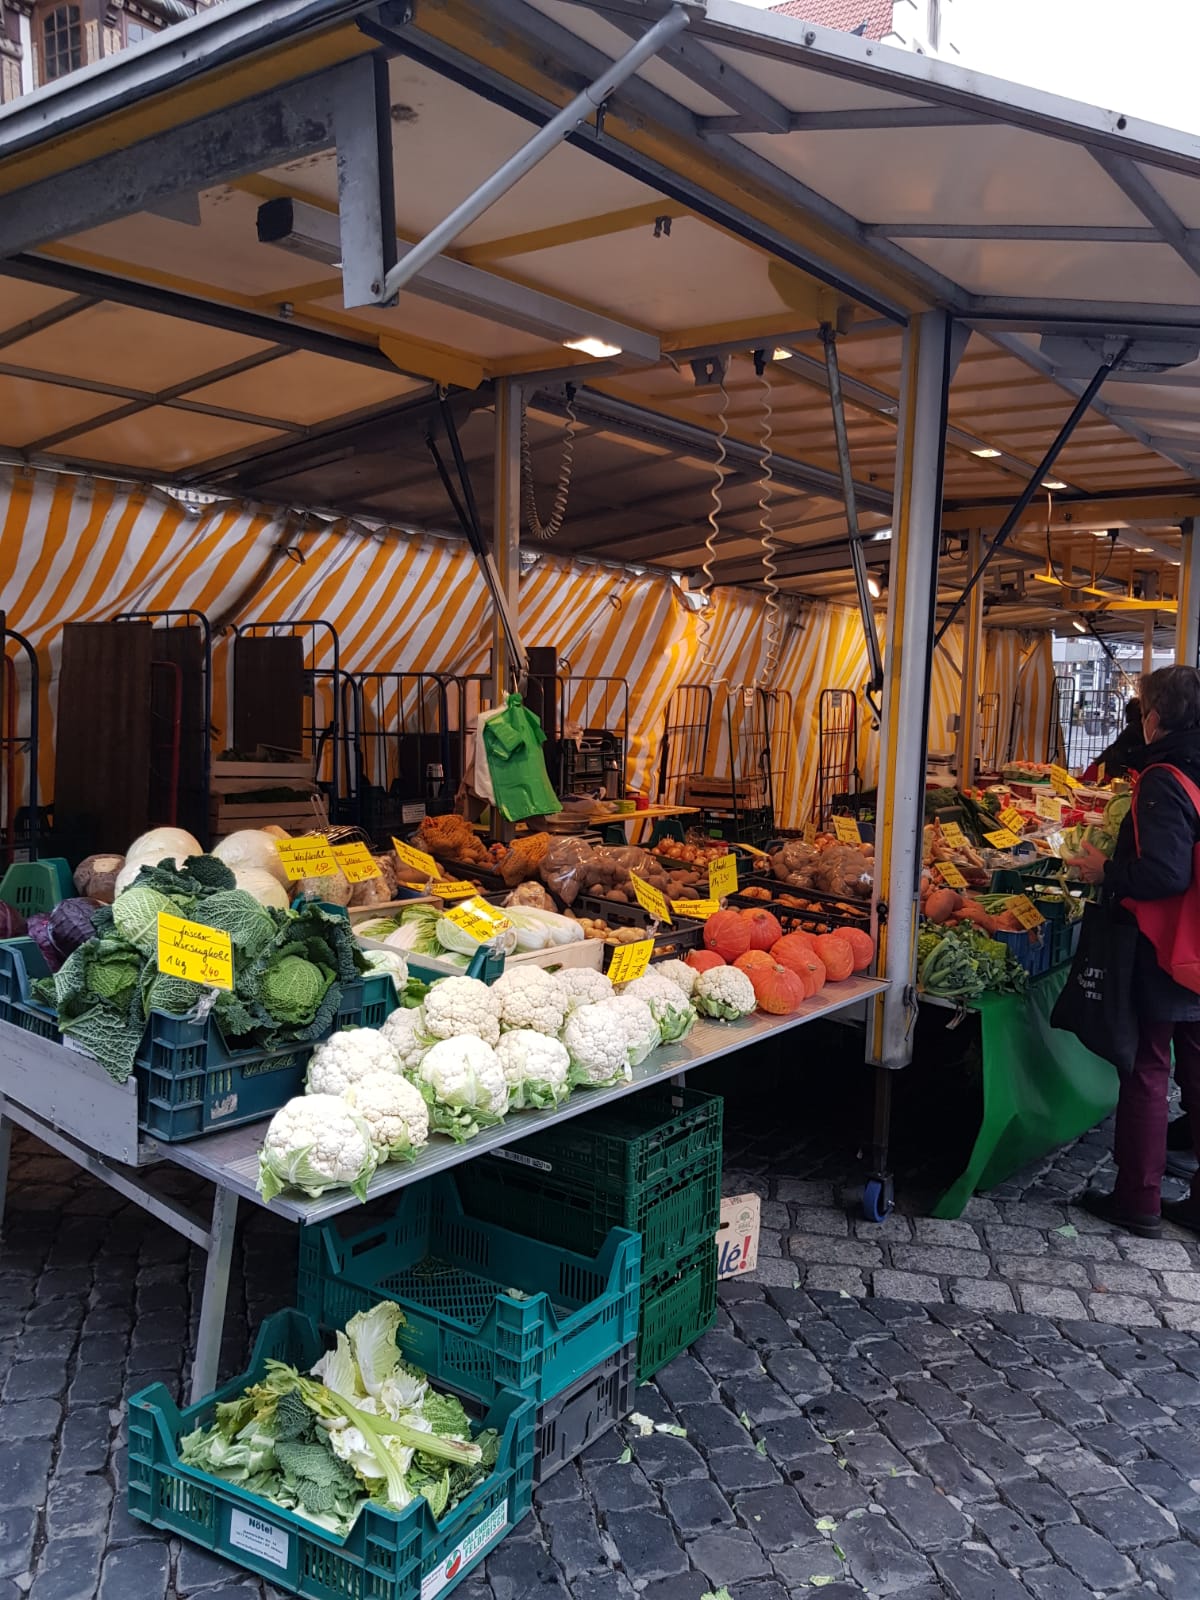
925,26
41,40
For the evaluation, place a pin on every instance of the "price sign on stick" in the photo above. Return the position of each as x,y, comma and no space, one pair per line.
1049,808
416,859
950,875
1012,819
479,919
356,862
722,877
845,830
1026,913
1062,782
456,889
630,960
953,835
650,899
1001,839
192,951
309,857
700,909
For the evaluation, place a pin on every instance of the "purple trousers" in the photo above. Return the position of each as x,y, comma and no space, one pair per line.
1140,1143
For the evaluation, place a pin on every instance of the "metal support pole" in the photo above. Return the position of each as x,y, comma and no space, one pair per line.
1187,612
506,548
1034,484
215,1294
972,660
362,124
912,596
857,559
527,157
1148,643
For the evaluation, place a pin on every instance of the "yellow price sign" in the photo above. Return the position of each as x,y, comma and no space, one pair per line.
356,862
650,899
701,910
416,859
309,857
950,875
1012,819
1062,782
192,951
479,919
455,889
845,830
1026,913
630,960
1049,807
953,835
1001,839
722,877
1101,772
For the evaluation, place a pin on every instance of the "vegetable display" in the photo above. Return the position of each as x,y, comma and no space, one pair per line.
961,962
313,1143
361,1427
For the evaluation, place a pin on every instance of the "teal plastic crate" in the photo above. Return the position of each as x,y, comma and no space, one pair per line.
20,963
677,1307
31,886
485,1309
388,1555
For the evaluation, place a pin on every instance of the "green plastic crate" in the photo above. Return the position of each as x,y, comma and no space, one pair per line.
388,1555
32,886
649,1138
677,1307
455,1277
672,1216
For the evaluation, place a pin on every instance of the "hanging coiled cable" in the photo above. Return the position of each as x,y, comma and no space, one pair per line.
714,529
562,494
774,635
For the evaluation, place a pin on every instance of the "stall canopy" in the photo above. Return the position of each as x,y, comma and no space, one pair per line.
197,289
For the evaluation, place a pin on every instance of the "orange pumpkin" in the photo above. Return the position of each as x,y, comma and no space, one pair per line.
728,933
837,956
777,989
794,950
753,958
702,960
862,944
801,960
764,928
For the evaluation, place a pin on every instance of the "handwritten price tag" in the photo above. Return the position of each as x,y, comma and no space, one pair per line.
701,910
954,836
309,857
950,875
1062,782
630,961
722,877
650,899
1026,913
416,859
457,889
1101,772
1001,839
1012,819
1049,807
190,950
845,830
479,919
356,862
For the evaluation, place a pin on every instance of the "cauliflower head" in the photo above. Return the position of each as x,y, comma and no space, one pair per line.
669,1006
313,1143
637,1023
405,1031
395,1113
463,1085
585,986
595,1041
537,1069
345,1057
458,1006
724,992
676,972
531,998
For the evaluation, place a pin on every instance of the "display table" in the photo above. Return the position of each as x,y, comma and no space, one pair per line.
69,1102
1040,1088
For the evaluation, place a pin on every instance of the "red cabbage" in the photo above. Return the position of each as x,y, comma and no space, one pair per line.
12,923
71,924
38,929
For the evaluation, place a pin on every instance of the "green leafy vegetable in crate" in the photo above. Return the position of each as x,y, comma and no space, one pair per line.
960,962
362,1426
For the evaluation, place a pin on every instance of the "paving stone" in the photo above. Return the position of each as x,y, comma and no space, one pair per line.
981,1295
997,1460
1177,1314
788,1440
1114,1444
755,1395
889,1357
1123,1278
1126,1518
906,1285
826,1489
861,1380
647,1545
1126,1309
198,1569
821,1219
1090,1337
1010,1536
759,1324
1039,1502
1182,1285
971,1574
1162,1483
619,1487
725,1356
517,1569
96,1386
24,1469
85,1441
896,1313
18,1529
574,1536
1177,1389
1069,1408
966,1375
69,1569
685,1380
776,1517
996,1402
905,1425
950,1472
793,1305
1175,1568
933,1399
665,1458
697,1506
135,1569
1090,1557
1175,1446
921,1513
1056,1583
1084,1246
839,1280
803,1192
820,1247
78,1505
36,1380
799,1373
938,1230
941,1261
896,1229
835,1415
746,1469
880,1558
1049,1302
729,1557
1165,1255
714,1427
933,1344
812,1564
827,1342
591,1586
565,1484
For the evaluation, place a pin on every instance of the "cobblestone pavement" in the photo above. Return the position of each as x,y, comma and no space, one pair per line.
852,1446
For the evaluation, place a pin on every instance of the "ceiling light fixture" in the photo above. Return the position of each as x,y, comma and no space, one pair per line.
308,231
1143,549
873,587
781,353
986,453
1080,627
1053,483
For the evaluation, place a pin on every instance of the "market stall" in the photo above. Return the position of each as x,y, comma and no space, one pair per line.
218,279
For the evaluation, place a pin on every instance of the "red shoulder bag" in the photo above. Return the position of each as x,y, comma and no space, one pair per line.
1173,925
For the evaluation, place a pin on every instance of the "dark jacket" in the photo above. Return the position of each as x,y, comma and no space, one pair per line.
1168,831
1122,755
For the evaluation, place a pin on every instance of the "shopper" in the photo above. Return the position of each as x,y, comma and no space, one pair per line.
1168,1014
1117,759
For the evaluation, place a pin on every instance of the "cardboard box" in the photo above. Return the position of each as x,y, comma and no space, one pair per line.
737,1235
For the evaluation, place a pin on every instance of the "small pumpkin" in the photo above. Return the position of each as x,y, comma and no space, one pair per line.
863,946
764,928
837,956
728,933
794,950
753,958
778,990
703,960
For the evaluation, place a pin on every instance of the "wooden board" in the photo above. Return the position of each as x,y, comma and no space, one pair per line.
268,692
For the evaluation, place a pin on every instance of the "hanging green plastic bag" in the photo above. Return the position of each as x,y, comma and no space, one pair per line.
513,743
